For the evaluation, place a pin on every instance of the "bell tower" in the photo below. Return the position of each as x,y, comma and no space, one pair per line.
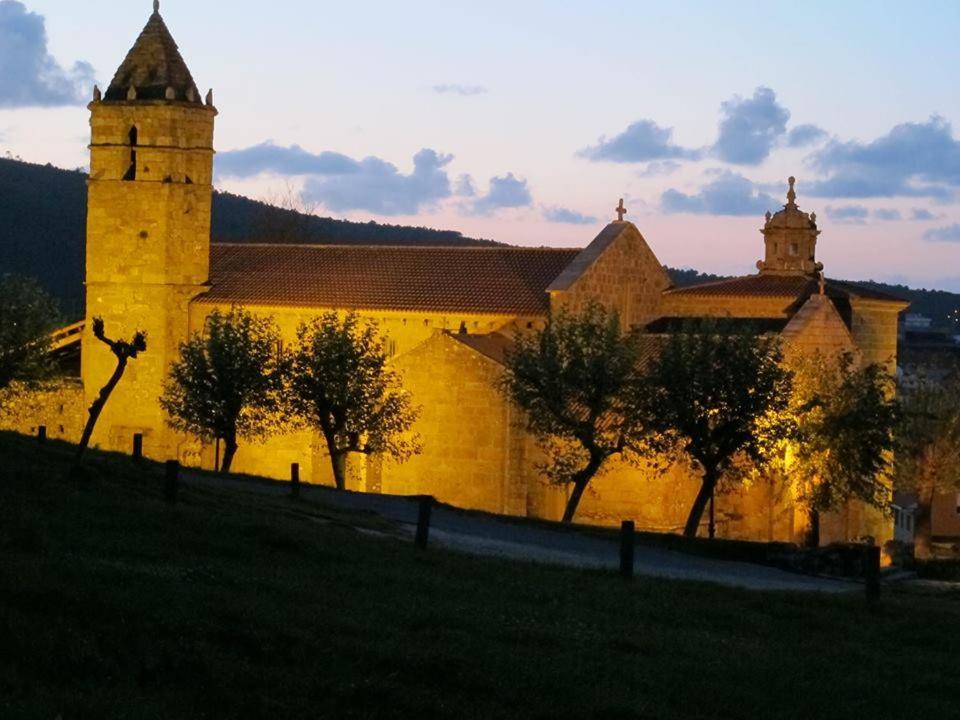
148,226
790,237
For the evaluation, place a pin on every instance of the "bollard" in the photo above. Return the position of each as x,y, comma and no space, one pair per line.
295,480
872,574
172,480
138,446
626,548
42,434
423,522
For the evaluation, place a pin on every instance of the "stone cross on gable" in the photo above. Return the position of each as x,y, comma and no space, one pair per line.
621,211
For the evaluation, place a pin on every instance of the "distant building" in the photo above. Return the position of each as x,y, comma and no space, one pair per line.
914,321
451,315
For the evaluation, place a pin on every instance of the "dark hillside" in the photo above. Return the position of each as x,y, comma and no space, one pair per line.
43,212
43,217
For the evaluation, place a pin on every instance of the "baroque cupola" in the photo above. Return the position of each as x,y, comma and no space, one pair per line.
790,236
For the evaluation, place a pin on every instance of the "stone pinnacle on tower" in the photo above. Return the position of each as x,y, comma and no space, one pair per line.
156,6
152,67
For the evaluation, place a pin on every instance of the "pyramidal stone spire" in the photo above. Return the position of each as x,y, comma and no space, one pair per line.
153,67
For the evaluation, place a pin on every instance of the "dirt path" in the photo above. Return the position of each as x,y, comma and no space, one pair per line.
482,534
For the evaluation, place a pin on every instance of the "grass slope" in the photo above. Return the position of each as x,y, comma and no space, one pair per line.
113,604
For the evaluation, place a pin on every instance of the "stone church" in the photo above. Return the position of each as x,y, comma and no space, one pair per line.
450,314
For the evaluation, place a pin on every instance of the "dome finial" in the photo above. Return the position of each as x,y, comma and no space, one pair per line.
791,193
156,6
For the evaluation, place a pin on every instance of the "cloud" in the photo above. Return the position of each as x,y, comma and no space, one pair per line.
660,168
293,160
465,187
642,141
728,194
503,192
750,127
887,214
804,135
922,214
912,160
570,217
461,90
29,75
950,233
377,186
850,214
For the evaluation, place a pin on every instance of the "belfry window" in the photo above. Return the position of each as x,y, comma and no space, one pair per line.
131,173
794,249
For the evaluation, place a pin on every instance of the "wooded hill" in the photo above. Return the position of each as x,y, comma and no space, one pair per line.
43,224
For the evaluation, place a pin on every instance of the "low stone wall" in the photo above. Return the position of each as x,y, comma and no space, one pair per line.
58,405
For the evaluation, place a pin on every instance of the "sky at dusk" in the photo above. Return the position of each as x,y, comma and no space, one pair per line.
526,121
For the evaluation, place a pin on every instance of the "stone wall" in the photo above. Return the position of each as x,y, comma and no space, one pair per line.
874,328
945,517
688,305
59,406
619,271
466,429
404,332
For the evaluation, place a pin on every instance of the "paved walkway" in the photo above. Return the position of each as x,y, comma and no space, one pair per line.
482,534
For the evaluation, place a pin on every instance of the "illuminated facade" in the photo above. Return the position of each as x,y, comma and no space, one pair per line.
450,315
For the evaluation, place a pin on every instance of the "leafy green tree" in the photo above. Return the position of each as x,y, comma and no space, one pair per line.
716,396
27,317
846,416
227,382
579,380
927,460
341,385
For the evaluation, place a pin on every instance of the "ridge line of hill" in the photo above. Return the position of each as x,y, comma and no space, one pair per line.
43,227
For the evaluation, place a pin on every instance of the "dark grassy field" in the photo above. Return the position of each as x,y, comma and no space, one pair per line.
115,605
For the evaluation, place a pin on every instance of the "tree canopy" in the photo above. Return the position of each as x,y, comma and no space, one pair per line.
226,382
340,384
716,394
27,317
927,460
579,380
846,417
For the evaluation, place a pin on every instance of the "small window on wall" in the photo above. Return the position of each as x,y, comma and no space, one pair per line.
131,173
794,249
958,504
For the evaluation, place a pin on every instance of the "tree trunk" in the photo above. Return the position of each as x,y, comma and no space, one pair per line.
923,524
813,532
97,407
713,514
229,450
580,482
338,460
700,503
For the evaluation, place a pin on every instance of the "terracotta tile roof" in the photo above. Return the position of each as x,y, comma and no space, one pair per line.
495,346
153,64
479,280
785,286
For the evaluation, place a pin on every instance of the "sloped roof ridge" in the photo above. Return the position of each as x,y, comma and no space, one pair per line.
590,254
731,280
399,246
